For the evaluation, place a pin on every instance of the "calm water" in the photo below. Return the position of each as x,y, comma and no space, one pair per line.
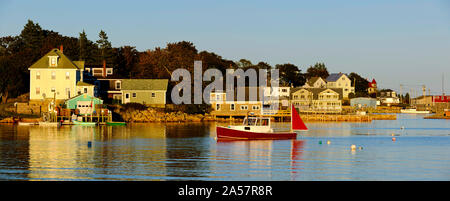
189,152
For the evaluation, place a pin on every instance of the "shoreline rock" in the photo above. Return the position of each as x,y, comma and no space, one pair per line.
152,115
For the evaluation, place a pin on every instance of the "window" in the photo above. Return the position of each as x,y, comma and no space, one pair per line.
127,95
218,97
109,72
244,107
53,89
232,106
134,95
153,94
217,106
118,84
68,92
38,75
53,61
53,75
255,107
67,75
38,91
284,90
85,90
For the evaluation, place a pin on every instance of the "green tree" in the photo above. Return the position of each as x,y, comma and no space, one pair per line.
126,59
244,63
104,46
361,84
83,46
318,70
290,74
406,99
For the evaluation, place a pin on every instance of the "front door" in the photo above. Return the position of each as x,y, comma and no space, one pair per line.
127,98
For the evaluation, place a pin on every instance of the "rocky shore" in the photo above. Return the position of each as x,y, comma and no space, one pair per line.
152,115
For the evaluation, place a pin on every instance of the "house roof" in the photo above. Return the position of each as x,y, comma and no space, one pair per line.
313,80
63,61
84,97
144,84
333,77
317,91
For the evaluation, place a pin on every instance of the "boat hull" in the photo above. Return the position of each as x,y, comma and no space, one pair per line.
414,112
58,124
116,123
224,133
27,123
84,123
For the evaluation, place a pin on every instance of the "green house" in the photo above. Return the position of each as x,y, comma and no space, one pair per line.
144,91
84,103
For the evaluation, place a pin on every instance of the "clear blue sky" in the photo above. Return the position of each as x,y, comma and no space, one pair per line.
395,42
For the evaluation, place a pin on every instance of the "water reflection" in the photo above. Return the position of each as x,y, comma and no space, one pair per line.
189,151
60,153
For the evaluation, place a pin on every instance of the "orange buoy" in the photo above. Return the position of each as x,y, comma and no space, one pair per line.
393,139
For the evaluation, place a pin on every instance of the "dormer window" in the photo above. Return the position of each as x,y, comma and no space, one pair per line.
53,61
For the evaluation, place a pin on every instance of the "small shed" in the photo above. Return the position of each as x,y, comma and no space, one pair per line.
84,103
363,102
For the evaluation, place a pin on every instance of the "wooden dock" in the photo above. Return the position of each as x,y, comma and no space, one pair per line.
284,115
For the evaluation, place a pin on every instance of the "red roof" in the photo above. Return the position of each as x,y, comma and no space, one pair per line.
372,83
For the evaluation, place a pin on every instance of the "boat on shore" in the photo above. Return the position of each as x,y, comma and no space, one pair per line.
46,123
413,111
21,123
84,123
115,123
259,128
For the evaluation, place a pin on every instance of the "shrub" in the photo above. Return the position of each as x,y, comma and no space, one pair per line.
134,106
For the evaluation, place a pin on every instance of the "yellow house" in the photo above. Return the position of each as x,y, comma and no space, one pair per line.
56,76
317,99
340,80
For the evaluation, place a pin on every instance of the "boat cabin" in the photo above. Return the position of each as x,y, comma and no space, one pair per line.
255,124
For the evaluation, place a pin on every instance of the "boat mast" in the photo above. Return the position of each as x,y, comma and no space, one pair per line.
292,105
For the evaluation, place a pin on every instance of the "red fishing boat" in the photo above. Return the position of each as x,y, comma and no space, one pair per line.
258,128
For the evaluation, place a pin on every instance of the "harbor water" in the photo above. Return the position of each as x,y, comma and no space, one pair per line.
409,148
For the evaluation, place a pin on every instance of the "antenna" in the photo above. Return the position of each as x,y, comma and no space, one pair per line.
443,93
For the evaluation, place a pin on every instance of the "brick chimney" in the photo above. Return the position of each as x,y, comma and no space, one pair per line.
61,49
104,68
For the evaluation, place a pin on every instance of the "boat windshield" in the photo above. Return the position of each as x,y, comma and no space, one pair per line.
264,122
250,122
256,122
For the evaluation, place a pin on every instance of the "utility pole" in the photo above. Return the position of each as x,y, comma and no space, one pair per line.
401,95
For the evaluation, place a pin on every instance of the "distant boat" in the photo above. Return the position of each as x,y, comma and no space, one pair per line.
115,123
413,111
84,123
258,128
45,123
26,123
